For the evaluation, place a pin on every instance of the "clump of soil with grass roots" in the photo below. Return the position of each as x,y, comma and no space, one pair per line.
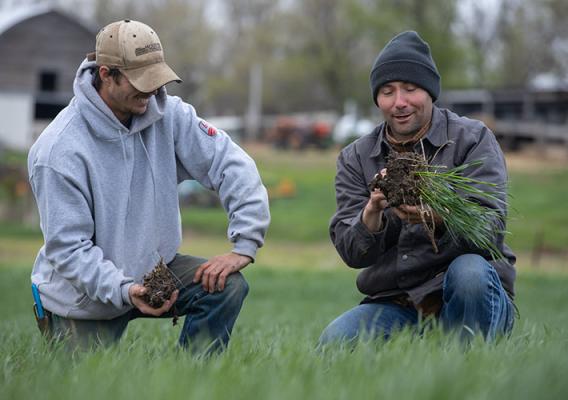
446,193
160,284
401,183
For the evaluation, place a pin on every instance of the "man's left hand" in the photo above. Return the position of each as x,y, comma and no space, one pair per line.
415,214
213,273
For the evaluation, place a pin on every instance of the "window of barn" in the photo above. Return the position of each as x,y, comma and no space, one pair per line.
47,81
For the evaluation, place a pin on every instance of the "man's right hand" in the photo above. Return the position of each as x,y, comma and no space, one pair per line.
373,212
136,293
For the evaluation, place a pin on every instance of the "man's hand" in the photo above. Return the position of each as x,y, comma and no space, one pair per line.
417,215
136,292
373,212
213,273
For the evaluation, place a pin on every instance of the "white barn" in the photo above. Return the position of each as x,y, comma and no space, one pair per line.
41,47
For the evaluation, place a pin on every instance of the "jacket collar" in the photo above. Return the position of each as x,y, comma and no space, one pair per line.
437,135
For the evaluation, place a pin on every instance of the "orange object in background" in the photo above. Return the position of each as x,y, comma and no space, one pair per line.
285,189
298,134
321,130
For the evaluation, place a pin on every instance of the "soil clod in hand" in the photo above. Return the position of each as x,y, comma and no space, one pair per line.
468,209
160,285
400,185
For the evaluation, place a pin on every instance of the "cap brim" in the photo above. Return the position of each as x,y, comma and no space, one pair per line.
150,77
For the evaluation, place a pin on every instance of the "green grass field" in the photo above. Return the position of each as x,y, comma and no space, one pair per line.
273,356
536,198
298,285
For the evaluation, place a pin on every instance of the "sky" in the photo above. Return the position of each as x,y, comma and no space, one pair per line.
85,8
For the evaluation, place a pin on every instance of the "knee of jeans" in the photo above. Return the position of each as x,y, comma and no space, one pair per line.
339,330
335,333
236,286
468,275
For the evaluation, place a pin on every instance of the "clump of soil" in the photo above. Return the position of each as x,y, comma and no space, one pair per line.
400,185
160,285
443,200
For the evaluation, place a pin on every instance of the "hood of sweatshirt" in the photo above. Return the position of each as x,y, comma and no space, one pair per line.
91,106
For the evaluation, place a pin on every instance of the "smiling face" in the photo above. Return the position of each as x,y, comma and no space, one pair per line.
121,97
406,108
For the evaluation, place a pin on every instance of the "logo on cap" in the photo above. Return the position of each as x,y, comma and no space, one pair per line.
140,51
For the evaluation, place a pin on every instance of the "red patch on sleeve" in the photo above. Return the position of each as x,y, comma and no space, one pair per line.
208,129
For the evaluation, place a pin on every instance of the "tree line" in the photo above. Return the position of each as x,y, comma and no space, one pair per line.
316,54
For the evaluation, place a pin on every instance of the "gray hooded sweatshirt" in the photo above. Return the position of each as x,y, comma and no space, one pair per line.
108,201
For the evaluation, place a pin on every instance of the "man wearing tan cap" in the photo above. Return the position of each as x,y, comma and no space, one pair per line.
105,175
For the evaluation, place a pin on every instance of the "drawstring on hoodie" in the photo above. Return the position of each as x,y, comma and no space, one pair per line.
125,172
157,236
123,145
125,162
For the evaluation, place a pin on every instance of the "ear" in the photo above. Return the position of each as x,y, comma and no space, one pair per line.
104,73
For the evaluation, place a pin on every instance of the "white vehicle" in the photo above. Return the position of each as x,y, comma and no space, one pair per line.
349,128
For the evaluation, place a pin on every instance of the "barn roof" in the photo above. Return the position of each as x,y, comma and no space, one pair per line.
13,16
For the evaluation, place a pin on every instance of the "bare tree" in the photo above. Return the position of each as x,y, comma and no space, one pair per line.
527,29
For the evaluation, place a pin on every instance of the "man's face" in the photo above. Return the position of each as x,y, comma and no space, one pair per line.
123,99
406,108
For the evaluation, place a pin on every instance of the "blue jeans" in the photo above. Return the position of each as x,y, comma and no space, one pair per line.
209,320
474,302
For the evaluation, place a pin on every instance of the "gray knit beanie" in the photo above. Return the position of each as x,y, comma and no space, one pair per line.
406,58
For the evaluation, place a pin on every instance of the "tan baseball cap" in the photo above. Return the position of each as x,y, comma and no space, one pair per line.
135,49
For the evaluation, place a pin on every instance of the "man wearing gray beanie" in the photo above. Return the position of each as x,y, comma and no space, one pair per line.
403,277
406,58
